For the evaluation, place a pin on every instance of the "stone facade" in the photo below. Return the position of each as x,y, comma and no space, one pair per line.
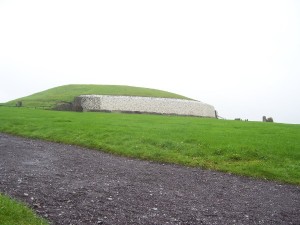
135,104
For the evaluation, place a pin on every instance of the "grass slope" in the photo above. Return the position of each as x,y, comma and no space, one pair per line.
263,150
15,213
67,93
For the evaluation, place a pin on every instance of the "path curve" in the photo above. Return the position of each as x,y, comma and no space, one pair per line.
73,185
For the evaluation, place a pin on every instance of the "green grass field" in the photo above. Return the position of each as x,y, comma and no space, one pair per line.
48,98
15,213
261,150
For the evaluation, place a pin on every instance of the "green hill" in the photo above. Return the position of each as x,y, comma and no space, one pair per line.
49,98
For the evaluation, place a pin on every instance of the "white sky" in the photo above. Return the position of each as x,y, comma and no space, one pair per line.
243,57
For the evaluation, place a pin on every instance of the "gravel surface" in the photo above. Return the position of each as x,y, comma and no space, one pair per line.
73,185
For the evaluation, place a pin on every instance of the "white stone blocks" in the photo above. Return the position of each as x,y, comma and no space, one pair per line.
145,105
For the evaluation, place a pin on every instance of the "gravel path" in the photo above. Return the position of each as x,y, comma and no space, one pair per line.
73,185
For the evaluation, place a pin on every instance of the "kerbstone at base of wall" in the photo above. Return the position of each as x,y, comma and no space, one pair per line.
145,105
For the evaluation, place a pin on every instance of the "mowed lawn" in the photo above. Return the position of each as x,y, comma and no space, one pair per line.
262,150
13,212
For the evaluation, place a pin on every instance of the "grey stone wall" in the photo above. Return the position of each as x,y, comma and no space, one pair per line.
144,105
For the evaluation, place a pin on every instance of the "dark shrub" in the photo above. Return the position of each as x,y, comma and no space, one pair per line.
19,104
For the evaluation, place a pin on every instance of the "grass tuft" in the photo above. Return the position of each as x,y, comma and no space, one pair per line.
16,213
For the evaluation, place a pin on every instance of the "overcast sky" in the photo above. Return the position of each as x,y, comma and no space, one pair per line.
242,57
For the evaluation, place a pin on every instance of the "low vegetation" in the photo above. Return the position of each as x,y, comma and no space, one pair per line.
15,213
49,98
261,150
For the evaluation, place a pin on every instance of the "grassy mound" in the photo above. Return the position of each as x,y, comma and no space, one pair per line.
49,98
262,150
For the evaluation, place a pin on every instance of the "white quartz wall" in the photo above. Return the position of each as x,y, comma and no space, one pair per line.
145,105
